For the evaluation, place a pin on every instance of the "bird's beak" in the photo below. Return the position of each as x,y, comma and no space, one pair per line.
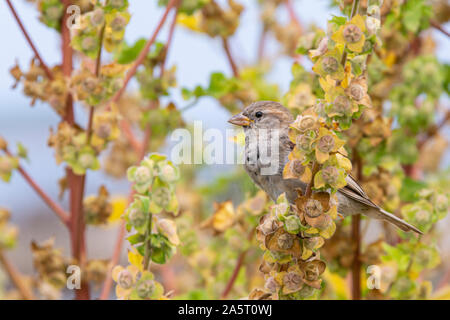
240,120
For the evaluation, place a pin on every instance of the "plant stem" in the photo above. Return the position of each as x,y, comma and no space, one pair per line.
60,212
148,243
141,149
143,53
76,182
356,264
437,26
262,45
170,36
98,65
292,14
314,170
16,278
128,133
237,268
233,65
30,42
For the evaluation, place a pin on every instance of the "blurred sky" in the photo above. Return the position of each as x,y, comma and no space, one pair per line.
195,55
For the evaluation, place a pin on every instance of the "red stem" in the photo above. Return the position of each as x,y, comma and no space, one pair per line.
437,26
76,182
16,278
143,53
237,268
233,65
262,44
60,212
234,275
30,42
126,130
170,37
292,14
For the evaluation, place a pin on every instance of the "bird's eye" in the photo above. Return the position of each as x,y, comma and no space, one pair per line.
258,114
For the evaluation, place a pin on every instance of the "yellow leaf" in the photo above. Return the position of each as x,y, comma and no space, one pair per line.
338,284
344,162
119,204
191,22
135,259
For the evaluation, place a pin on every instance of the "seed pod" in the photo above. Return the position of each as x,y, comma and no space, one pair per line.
285,241
303,142
137,217
330,175
104,130
292,281
357,91
352,33
268,226
297,167
306,123
292,224
342,105
86,160
116,4
313,208
168,173
161,197
145,288
97,17
326,144
330,64
118,23
125,279
271,285
423,216
142,175
88,43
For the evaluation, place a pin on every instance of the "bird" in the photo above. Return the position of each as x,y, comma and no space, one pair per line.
270,115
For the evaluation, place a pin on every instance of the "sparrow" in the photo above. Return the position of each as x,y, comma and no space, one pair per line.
272,118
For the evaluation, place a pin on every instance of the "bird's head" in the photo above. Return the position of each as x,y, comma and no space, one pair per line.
263,115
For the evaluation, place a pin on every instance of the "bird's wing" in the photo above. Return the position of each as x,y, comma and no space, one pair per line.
354,191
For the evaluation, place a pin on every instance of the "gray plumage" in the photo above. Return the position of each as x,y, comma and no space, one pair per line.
352,198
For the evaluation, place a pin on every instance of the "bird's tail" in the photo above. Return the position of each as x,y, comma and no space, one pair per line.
384,215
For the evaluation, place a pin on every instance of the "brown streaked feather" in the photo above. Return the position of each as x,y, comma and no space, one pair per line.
354,191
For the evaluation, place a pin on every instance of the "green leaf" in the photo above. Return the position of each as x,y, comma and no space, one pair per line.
128,54
408,193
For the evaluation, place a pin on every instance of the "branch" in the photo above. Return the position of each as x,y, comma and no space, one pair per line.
60,212
140,59
16,278
437,26
170,37
126,130
237,268
434,130
315,169
30,42
292,14
233,65
76,182
98,64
